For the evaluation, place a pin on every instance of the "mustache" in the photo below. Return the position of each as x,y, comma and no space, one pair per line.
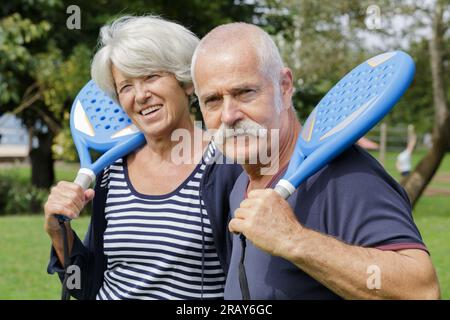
242,128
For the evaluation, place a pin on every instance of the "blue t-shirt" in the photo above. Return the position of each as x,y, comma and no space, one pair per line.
352,199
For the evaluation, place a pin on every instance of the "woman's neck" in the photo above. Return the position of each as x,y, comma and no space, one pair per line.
184,147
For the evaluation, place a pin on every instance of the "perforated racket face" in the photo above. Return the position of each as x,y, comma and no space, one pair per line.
359,100
97,120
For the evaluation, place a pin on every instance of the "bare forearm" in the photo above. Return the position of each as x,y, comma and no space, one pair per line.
58,242
351,271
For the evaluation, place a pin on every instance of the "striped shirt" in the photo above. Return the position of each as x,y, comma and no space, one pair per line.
158,247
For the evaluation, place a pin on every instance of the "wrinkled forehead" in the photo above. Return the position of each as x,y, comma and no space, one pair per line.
226,67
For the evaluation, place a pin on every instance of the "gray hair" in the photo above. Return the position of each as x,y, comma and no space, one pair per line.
140,45
270,62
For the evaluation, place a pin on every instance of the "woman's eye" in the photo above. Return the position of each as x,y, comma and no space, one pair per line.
125,89
152,76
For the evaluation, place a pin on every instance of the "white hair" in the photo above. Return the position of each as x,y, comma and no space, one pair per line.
270,62
140,45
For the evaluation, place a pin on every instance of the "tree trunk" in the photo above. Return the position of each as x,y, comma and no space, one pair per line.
416,183
42,171
418,180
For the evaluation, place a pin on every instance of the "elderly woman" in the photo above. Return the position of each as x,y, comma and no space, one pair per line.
157,226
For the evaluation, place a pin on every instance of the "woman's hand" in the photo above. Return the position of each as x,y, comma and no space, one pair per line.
67,199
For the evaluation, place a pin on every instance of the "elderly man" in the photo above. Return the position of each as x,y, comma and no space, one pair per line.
347,232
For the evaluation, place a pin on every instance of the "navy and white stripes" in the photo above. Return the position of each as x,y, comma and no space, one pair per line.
159,247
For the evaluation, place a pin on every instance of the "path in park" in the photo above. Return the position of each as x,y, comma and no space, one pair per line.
441,190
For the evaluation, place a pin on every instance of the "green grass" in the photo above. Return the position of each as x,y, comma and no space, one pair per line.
432,216
24,246
24,253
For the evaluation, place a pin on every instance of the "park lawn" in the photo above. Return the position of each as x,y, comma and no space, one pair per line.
24,253
432,216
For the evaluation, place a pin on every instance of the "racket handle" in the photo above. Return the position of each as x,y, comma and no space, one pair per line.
284,188
84,179
62,218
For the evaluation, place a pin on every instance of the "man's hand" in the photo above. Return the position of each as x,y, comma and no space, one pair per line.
267,220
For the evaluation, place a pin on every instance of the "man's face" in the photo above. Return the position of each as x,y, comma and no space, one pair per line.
237,98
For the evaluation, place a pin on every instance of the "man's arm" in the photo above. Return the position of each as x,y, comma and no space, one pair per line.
268,221
352,272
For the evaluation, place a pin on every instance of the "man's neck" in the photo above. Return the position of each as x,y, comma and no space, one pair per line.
289,132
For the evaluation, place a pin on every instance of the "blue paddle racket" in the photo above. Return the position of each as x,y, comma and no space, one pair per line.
347,112
97,123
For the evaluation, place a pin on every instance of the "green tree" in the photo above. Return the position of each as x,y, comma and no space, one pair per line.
424,33
318,41
19,89
323,40
416,183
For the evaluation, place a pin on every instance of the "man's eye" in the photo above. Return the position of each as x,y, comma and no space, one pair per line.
212,102
247,93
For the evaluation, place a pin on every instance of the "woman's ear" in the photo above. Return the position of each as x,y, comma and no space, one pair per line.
189,89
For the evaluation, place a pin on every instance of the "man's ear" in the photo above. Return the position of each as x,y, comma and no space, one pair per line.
287,86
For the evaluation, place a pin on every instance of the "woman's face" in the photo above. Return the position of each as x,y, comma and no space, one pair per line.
156,103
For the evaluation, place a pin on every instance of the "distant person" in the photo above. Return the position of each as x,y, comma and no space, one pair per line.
404,163
367,144
428,140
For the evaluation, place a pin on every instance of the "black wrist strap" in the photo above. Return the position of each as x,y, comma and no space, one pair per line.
64,291
242,275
